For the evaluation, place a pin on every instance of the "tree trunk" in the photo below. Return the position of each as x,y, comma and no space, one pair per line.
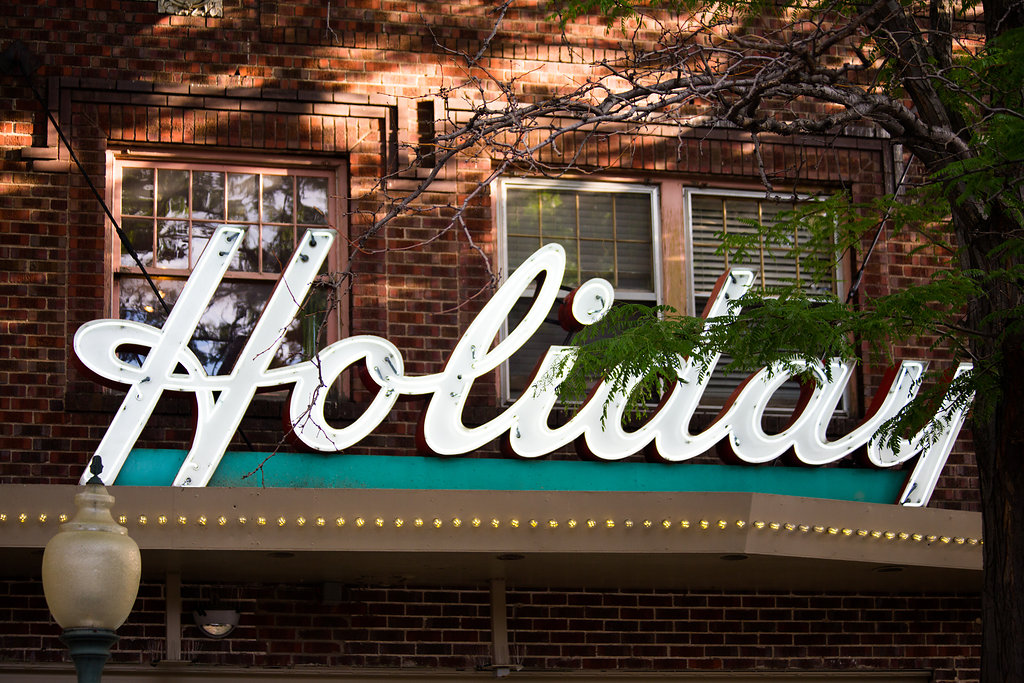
998,429
999,446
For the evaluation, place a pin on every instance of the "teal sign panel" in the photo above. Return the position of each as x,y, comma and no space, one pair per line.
152,467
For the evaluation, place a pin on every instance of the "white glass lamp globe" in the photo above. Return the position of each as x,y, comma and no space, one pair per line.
91,567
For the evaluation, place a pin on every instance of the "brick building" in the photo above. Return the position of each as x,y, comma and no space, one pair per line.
282,116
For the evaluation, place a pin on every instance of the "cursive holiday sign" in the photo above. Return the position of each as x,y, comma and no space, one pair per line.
221,400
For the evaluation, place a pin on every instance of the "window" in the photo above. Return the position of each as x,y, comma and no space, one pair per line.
710,213
170,210
607,230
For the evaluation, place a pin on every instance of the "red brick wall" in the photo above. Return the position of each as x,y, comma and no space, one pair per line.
281,75
409,627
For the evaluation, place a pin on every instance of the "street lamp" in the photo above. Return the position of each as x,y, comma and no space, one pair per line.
91,574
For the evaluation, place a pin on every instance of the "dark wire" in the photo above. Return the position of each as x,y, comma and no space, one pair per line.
120,233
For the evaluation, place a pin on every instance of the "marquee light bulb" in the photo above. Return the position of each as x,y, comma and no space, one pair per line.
629,523
495,523
320,521
610,523
437,523
591,524
399,522
301,521
281,521
161,520
475,522
685,524
340,521
533,524
360,522
143,520
515,523
572,523
202,520
22,518
42,519
667,524
262,521
553,523
242,521
222,520
379,521
775,526
418,522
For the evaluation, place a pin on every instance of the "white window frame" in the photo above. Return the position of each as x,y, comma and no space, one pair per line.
652,190
691,294
690,192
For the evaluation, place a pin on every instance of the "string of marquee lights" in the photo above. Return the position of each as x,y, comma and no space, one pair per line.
260,522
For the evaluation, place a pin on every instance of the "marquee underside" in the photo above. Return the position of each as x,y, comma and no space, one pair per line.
585,539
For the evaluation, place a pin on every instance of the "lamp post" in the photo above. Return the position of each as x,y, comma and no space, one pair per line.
91,574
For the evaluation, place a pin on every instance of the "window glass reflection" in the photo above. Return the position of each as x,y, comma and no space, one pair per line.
228,321
278,196
137,192
172,244
172,193
208,194
140,236
243,198
312,200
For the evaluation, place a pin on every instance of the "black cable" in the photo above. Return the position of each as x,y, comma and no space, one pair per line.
117,228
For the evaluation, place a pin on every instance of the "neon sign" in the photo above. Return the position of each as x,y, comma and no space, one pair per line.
523,428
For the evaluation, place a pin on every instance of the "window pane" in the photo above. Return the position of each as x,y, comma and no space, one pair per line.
227,323
186,208
201,234
312,200
277,247
172,193
208,194
278,199
522,212
635,270
243,198
140,234
557,215
137,192
247,258
597,216
598,258
172,244
138,301
605,234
